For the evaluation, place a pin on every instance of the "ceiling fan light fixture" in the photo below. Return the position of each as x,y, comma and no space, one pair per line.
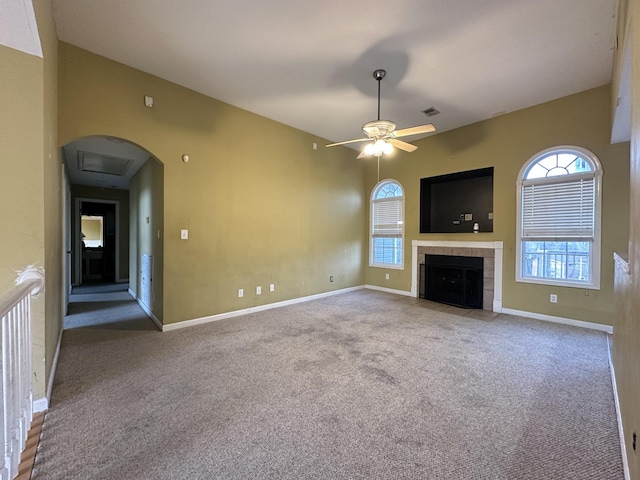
369,149
378,148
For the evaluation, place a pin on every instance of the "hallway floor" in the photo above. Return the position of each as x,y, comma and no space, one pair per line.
102,304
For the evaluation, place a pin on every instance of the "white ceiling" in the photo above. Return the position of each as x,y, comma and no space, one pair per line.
309,64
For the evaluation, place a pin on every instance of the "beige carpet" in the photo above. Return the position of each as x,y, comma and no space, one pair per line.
363,385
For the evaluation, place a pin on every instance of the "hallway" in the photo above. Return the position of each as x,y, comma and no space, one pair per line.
105,304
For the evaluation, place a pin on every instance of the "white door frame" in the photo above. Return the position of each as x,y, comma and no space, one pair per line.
78,234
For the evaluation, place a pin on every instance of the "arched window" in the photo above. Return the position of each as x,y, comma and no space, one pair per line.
387,225
559,202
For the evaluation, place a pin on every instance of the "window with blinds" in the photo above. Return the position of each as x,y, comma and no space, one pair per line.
559,218
387,225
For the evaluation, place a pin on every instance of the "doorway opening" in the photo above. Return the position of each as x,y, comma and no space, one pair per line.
99,234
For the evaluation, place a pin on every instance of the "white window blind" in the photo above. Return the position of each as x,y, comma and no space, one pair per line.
387,217
564,209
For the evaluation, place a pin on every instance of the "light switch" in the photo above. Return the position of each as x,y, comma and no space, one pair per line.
468,217
184,234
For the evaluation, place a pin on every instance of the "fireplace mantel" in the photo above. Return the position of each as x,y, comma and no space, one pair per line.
497,247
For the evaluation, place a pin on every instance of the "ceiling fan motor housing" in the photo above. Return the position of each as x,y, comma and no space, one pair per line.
378,128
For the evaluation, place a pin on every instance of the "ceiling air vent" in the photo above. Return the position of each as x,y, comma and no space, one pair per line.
431,111
98,163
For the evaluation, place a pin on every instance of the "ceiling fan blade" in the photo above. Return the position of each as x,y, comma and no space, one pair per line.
347,141
414,130
407,147
362,155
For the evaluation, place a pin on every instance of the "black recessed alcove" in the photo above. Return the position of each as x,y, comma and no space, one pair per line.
453,203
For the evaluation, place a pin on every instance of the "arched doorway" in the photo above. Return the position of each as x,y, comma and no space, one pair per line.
114,221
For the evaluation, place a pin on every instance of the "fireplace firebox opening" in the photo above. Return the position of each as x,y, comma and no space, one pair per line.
453,280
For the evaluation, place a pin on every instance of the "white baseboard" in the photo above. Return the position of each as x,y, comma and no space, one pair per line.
497,307
42,404
406,293
146,309
565,321
261,308
623,445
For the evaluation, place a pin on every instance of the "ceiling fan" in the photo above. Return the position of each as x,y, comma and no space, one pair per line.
382,134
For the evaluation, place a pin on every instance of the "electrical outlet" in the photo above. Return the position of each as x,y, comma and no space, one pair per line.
490,215
331,278
240,293
468,217
553,298
386,276
258,290
272,288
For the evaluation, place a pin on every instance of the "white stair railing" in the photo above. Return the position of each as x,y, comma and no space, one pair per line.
16,369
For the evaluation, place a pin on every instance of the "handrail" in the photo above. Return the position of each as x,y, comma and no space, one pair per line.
16,368
16,294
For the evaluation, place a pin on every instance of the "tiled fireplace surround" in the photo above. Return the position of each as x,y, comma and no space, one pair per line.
490,251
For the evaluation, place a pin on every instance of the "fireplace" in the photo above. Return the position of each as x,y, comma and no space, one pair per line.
451,279
490,251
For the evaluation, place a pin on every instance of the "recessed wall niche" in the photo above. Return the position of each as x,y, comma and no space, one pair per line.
459,202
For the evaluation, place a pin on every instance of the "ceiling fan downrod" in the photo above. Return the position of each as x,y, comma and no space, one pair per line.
379,75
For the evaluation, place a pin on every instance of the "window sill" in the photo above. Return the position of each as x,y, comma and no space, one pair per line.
387,265
559,283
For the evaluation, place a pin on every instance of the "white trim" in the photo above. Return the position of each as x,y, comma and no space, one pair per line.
42,404
623,446
389,290
261,308
622,263
565,321
146,309
497,246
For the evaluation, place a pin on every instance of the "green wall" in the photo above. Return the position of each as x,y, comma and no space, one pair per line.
31,186
506,143
146,193
261,206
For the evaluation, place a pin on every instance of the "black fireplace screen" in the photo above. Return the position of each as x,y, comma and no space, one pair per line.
453,280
